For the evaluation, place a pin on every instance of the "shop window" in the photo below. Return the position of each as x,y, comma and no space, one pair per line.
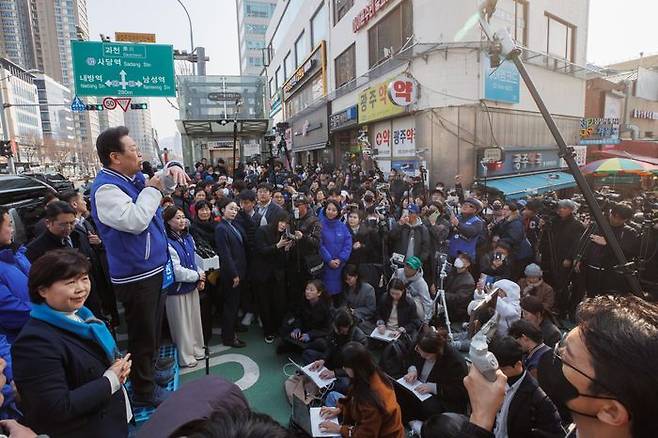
560,38
301,49
346,66
391,33
340,9
288,65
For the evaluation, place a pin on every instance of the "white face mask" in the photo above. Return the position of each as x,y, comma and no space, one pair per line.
295,213
458,263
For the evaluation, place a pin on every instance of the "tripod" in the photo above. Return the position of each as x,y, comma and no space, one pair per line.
441,293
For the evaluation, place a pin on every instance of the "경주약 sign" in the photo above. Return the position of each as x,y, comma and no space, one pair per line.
403,91
123,69
375,103
502,84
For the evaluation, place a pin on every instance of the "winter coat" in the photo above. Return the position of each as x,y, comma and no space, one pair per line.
371,246
508,308
268,258
363,302
313,319
249,225
543,291
333,354
459,288
14,297
512,232
230,243
401,235
418,290
203,234
335,243
407,313
564,235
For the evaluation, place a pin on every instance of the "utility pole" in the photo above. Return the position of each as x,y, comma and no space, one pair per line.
502,48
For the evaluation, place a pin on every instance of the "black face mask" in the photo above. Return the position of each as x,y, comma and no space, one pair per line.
563,391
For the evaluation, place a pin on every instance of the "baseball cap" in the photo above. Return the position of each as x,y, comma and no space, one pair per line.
413,262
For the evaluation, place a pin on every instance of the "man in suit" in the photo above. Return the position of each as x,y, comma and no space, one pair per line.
61,232
266,208
526,411
249,220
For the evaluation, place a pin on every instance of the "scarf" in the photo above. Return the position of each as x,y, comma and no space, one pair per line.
92,328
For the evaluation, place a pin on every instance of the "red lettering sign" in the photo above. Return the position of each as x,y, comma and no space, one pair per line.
367,13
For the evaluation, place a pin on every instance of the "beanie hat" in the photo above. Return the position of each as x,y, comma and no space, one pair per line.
567,203
413,262
533,270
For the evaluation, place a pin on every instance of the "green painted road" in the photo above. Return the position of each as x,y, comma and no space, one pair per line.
257,369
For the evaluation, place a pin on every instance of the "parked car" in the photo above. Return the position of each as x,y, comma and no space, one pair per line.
24,197
56,180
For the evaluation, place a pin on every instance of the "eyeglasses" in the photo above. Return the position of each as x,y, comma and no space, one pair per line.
558,356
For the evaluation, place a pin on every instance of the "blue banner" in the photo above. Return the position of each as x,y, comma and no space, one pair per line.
502,84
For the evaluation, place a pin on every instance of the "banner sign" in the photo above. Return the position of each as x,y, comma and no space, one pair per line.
521,161
502,84
599,131
374,103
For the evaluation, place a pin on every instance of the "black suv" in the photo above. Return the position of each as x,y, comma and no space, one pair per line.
24,198
55,180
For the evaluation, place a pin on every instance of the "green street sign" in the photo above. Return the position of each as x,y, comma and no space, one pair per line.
123,69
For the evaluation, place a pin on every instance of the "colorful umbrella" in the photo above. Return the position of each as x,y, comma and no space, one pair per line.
611,166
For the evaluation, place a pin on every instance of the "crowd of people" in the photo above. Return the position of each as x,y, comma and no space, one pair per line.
323,260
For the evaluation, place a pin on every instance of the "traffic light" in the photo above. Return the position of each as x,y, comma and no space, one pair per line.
94,107
5,149
138,106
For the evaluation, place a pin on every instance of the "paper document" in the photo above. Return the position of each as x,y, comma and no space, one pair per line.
388,336
316,419
314,375
412,387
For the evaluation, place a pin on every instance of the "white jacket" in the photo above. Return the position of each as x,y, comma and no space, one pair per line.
508,308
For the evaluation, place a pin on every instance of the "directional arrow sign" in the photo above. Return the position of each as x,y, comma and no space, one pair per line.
123,69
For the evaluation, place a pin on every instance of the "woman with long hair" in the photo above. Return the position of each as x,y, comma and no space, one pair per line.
397,310
183,306
268,270
440,371
335,249
369,408
65,361
359,296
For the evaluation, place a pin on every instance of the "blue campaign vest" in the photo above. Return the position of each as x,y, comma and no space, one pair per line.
131,257
184,247
459,243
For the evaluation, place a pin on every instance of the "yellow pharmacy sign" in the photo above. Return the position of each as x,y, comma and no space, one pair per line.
375,104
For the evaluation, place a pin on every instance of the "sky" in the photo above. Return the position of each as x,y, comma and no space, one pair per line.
619,30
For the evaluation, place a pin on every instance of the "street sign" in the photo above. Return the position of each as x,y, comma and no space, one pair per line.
109,103
123,69
224,96
78,106
123,102
134,37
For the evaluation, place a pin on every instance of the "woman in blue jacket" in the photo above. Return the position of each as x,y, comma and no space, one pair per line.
335,249
183,306
14,268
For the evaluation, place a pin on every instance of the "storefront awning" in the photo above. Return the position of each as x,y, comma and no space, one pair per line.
222,127
515,187
309,147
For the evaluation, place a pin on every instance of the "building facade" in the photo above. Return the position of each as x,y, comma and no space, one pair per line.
20,111
417,81
253,17
141,130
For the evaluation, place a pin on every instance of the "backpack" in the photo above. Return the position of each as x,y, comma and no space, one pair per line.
394,358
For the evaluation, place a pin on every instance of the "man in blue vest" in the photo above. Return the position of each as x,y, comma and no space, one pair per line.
466,229
126,209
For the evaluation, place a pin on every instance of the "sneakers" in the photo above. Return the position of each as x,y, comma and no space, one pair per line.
237,343
269,339
248,317
159,395
163,377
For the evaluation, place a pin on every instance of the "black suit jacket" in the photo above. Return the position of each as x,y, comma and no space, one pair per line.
270,213
448,373
532,413
59,377
267,258
231,251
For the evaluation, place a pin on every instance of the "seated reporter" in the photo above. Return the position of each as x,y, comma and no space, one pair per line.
397,311
441,371
370,408
67,367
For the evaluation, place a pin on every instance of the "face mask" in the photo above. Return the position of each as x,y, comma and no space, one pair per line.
459,263
295,213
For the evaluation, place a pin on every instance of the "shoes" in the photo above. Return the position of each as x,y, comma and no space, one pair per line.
415,426
191,365
248,317
163,377
269,339
164,363
241,328
235,344
158,396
